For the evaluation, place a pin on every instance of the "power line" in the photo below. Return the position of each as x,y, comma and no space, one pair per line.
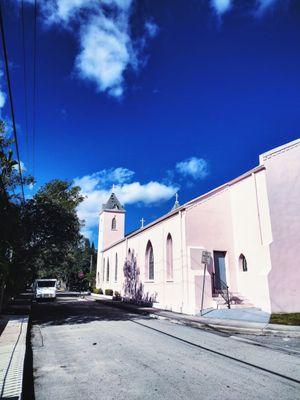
11,101
34,86
25,82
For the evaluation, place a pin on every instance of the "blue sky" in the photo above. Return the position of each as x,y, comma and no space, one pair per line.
153,96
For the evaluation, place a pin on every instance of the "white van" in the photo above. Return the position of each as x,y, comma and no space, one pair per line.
45,288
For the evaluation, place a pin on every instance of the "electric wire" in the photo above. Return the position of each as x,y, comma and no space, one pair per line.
34,88
25,84
11,100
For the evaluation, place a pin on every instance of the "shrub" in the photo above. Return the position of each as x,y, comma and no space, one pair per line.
117,294
97,291
109,292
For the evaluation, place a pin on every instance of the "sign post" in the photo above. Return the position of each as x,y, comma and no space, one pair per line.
206,255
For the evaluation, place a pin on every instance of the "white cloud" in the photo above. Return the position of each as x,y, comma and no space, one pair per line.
105,178
116,175
2,98
149,193
195,167
221,6
23,168
107,48
263,5
96,191
105,53
2,93
151,28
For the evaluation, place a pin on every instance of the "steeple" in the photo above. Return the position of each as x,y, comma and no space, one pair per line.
113,203
176,204
111,222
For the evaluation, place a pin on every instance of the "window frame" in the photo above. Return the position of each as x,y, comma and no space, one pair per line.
114,224
243,264
150,264
169,258
103,269
107,270
116,267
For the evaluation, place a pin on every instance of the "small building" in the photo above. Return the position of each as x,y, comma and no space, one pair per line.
250,225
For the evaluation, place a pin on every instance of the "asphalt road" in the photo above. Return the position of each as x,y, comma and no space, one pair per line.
83,350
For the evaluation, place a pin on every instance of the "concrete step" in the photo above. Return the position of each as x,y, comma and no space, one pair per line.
236,301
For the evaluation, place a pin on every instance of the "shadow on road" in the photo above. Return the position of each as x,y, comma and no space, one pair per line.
73,311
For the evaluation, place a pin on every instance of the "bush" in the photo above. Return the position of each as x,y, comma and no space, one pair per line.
117,294
97,291
109,292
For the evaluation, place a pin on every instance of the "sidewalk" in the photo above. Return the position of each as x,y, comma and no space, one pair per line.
221,324
12,356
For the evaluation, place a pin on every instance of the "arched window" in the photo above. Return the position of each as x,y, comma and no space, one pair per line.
107,271
243,263
149,261
169,258
113,224
103,269
116,268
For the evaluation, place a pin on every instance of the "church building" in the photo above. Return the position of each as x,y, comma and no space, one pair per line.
247,233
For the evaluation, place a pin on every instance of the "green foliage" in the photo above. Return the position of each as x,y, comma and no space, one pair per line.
285,319
109,292
53,238
13,272
41,237
97,291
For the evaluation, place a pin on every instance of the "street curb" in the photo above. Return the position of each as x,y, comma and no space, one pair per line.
12,357
254,328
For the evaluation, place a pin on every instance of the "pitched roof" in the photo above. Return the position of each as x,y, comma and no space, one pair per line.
113,204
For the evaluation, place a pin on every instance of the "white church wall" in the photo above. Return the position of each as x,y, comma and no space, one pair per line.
168,292
107,235
283,185
208,226
256,215
251,238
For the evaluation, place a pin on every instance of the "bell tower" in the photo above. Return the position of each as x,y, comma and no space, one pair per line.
111,222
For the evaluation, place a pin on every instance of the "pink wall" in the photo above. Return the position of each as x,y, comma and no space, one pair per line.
209,225
235,220
107,235
283,184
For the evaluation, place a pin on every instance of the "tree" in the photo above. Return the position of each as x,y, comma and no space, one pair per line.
85,263
52,230
41,237
10,227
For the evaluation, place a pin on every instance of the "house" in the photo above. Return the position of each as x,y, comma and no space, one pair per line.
250,225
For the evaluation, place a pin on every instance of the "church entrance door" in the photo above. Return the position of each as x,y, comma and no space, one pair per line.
220,269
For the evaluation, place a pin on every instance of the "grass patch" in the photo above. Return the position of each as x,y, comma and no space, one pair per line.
285,319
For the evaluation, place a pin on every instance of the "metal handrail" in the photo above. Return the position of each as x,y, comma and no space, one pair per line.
221,288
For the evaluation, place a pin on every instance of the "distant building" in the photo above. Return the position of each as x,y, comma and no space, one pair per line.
251,226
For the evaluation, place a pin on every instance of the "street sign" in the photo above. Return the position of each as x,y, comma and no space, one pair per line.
206,256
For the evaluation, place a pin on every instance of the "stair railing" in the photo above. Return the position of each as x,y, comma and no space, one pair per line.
221,288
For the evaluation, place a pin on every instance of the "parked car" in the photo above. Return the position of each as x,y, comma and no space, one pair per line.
45,289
